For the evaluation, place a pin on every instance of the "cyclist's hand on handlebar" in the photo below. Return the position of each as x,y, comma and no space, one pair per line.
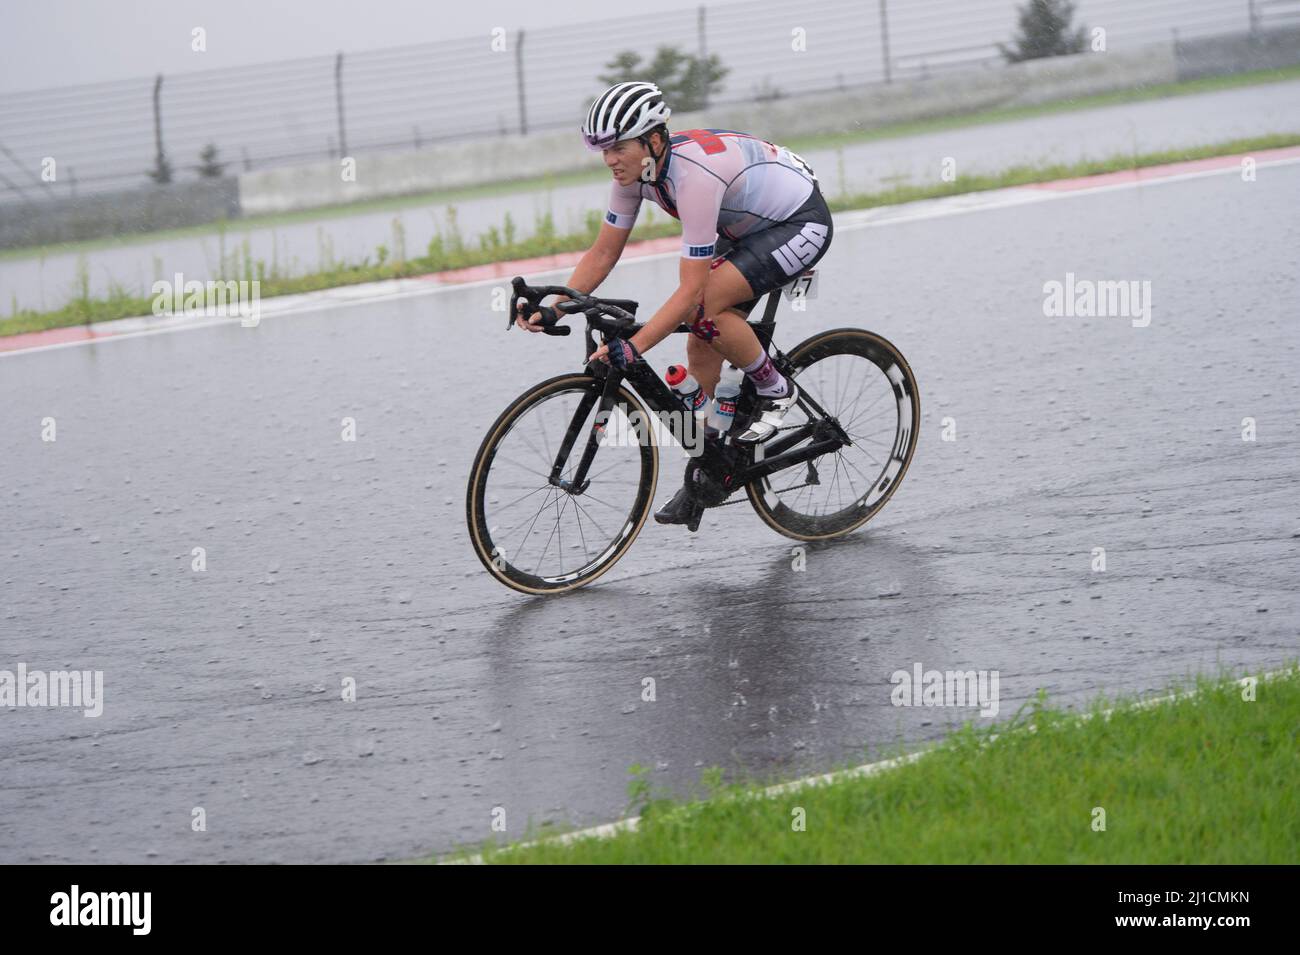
624,354
533,322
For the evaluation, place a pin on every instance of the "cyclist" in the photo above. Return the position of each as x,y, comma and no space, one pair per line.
753,218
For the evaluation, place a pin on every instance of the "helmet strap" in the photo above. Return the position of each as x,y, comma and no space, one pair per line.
644,139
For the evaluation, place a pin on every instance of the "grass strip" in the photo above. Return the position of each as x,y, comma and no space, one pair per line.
448,251
1209,776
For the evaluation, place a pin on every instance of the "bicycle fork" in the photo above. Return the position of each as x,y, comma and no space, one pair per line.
657,395
605,397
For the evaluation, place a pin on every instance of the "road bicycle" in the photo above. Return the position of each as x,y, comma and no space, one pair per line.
565,477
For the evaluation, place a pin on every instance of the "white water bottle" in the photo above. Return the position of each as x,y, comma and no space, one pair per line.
722,413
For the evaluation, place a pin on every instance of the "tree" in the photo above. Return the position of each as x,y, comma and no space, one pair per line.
209,168
687,81
1045,31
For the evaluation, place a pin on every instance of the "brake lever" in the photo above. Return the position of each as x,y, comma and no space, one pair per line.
549,315
521,291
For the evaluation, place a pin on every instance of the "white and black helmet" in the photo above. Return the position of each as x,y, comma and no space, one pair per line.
624,111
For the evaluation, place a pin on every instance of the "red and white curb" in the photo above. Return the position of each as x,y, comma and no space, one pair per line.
437,282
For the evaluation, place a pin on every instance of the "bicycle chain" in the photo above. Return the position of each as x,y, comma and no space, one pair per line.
793,487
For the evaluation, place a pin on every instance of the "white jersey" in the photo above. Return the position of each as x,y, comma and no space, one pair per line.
718,182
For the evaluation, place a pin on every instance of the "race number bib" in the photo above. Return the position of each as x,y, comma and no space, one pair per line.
804,286
802,164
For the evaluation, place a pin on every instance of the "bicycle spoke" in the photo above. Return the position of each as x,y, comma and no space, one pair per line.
530,529
510,497
548,539
850,464
579,506
577,514
525,497
550,458
854,419
856,399
546,461
544,476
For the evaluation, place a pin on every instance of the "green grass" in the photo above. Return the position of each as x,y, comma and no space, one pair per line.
556,180
1207,778
447,250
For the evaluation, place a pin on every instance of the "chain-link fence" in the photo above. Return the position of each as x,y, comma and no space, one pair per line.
109,135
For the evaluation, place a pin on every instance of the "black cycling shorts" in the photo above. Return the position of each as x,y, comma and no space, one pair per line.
772,257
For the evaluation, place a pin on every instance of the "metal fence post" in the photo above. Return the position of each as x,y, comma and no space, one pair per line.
884,39
519,82
702,94
338,96
159,158
1254,16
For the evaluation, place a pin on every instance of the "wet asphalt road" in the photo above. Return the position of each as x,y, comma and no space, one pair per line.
329,560
1098,133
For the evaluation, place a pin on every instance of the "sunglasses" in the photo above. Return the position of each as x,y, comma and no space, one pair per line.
599,143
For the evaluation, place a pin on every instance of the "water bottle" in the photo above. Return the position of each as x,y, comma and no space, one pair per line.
685,386
723,411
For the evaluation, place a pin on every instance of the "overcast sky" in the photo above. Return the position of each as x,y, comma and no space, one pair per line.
47,43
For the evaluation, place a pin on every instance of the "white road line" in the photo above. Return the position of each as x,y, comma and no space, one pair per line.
393,290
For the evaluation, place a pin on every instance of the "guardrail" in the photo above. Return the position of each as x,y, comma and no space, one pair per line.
108,136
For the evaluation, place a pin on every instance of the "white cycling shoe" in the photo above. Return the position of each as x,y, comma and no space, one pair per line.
768,416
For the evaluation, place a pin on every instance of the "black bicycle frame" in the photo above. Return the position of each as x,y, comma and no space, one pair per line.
826,434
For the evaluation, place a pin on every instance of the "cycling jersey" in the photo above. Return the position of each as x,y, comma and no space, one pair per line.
718,182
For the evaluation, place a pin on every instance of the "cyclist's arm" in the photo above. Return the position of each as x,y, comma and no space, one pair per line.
680,307
699,199
598,261
592,269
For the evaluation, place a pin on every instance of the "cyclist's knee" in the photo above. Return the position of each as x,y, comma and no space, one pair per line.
705,327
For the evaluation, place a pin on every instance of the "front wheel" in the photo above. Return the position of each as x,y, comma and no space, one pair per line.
864,383
540,538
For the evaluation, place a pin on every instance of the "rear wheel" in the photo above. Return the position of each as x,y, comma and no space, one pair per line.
863,382
541,539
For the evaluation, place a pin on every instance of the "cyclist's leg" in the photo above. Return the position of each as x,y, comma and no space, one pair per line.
704,362
720,330
775,256
727,301
750,268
